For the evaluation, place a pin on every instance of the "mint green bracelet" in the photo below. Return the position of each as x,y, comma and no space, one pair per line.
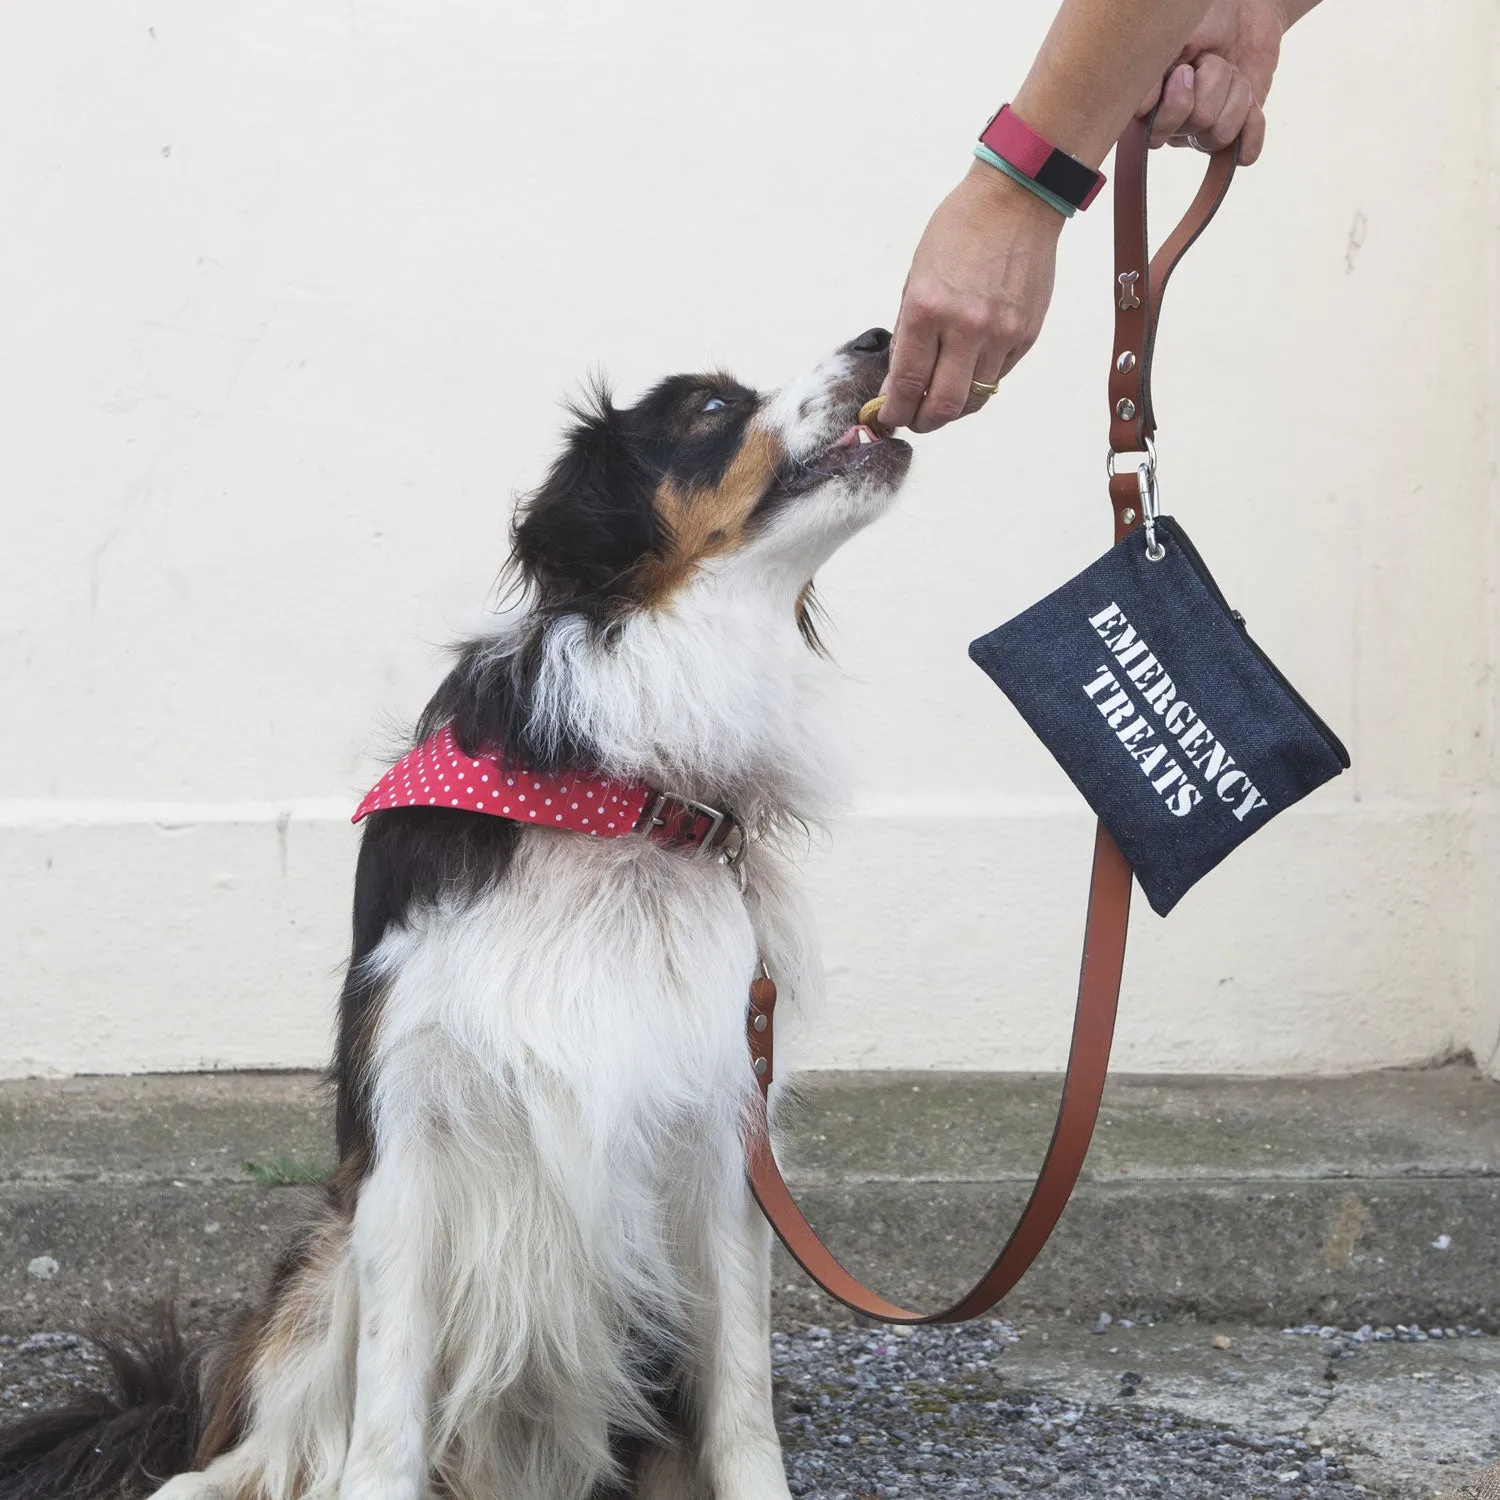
984,153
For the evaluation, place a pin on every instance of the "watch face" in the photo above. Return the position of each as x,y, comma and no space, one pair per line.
1067,177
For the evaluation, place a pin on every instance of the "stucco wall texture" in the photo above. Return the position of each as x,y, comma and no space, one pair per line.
292,293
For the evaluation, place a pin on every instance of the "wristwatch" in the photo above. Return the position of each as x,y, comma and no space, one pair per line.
1035,158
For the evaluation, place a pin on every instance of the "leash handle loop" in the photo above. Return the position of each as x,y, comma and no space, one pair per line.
1139,285
1138,290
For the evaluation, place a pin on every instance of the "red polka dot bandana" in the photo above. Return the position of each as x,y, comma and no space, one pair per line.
438,774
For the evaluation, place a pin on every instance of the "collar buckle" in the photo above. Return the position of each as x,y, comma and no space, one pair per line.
725,837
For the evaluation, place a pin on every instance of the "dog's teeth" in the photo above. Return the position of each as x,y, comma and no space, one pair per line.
864,435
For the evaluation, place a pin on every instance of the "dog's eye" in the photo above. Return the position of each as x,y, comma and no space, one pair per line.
714,403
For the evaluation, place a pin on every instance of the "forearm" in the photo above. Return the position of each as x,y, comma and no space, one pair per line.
1296,9
1099,59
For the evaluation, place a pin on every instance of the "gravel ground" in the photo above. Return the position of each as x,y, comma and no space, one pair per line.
44,1368
888,1413
869,1413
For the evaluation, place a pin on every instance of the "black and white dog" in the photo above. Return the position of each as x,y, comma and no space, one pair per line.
539,1273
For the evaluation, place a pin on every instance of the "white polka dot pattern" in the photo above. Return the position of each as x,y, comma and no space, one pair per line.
438,774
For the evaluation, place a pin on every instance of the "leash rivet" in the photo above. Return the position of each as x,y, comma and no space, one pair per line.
761,1065
760,1023
1124,408
1125,363
1128,515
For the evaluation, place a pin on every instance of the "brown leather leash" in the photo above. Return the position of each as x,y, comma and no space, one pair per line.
1138,292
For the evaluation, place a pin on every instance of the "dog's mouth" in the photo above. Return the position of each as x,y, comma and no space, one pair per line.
860,448
861,435
864,444
867,434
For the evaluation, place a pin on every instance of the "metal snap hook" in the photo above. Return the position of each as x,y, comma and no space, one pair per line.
1150,493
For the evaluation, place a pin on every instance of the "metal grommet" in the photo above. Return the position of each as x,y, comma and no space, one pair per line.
760,1023
1124,408
761,1067
1128,515
1155,552
1126,362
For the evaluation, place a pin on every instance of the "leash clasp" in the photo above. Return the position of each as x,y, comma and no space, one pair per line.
1150,492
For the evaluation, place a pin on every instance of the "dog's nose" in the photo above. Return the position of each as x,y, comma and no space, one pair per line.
871,341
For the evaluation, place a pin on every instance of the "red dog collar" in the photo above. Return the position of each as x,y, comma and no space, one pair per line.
438,774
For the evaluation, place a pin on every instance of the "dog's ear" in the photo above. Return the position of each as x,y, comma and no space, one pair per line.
812,619
592,518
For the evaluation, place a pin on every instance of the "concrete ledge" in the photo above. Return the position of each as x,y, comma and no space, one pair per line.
1264,1200
1269,1200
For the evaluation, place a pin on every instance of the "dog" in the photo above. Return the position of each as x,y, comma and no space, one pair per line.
537,1272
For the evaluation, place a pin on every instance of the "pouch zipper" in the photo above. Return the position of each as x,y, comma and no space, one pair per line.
1195,560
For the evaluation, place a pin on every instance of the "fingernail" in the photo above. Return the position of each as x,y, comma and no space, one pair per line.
1185,75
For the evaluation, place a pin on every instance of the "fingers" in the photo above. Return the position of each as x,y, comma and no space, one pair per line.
991,368
942,346
914,355
955,359
1253,136
938,352
1208,104
948,389
1213,81
1222,103
1176,104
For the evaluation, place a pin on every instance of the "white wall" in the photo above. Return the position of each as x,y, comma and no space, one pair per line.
1486,891
291,292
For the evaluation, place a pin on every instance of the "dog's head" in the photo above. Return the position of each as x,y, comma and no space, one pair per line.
704,475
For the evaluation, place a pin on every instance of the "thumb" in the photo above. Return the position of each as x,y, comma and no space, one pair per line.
1149,102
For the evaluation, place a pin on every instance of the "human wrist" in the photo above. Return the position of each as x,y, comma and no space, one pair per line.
998,163
1010,145
1004,197
1058,119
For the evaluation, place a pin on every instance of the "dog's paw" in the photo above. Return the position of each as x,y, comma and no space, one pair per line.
189,1487
363,1481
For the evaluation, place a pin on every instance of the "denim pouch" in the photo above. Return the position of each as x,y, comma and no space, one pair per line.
1177,728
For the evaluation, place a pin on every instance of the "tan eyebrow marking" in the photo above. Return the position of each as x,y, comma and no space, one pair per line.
709,521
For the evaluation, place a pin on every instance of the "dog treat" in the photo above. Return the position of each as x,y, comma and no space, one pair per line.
871,409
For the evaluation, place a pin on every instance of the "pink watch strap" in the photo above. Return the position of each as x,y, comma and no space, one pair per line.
1034,156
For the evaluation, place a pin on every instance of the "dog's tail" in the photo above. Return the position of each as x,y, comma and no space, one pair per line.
123,1440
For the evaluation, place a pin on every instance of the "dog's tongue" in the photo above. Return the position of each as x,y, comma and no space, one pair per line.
859,433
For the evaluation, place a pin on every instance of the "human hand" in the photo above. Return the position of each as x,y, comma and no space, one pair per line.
1219,84
974,299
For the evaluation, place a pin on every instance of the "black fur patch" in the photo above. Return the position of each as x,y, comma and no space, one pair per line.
581,535
663,1378
487,698
683,442
119,1443
410,858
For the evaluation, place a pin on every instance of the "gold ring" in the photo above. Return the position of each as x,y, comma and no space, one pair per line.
984,387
